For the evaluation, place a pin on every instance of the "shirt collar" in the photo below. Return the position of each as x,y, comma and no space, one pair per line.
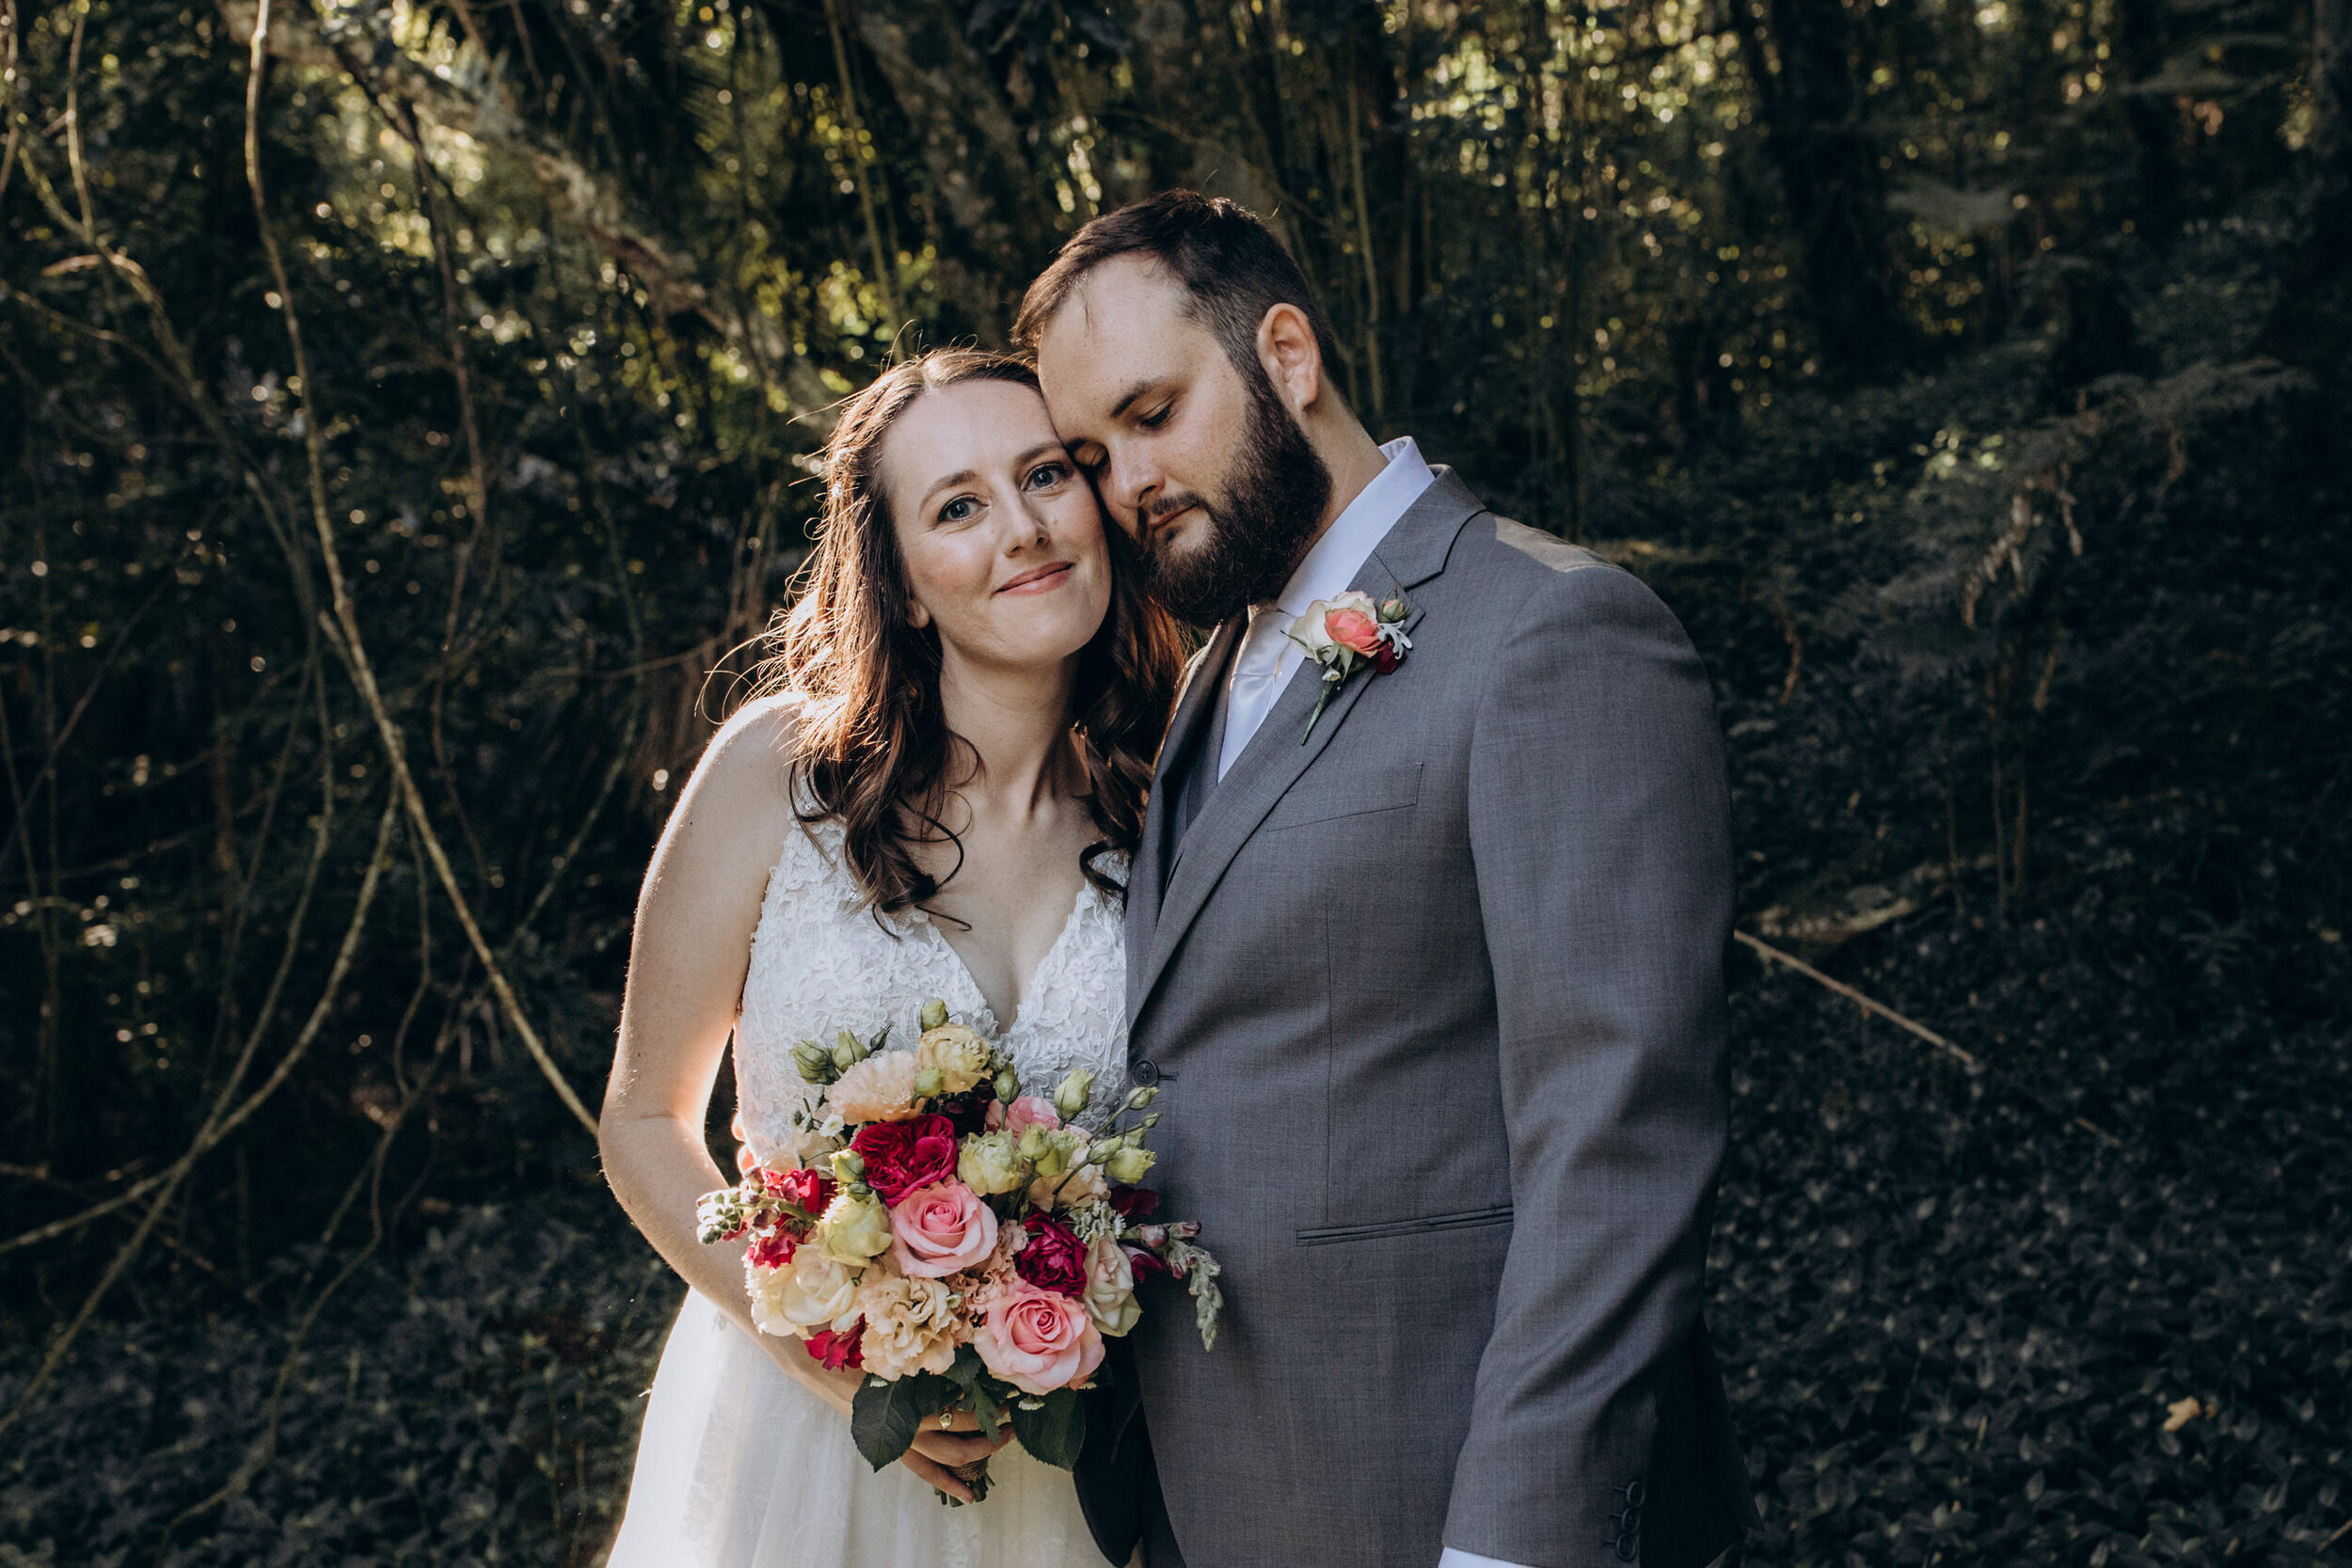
1356,533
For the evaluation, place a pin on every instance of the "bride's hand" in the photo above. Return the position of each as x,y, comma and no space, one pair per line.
938,1452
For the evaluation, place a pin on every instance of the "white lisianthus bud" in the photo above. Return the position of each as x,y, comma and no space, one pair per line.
1072,1097
856,1228
1129,1166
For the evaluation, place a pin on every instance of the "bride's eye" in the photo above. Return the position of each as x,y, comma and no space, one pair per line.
1046,476
960,510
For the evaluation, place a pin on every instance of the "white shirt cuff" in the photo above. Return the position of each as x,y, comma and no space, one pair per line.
1456,1558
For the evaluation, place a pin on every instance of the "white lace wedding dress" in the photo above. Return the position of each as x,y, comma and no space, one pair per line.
740,1466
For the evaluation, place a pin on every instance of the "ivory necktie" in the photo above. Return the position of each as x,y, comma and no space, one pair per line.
1255,685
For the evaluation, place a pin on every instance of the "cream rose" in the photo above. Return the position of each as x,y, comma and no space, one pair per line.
807,1294
1110,1296
956,1053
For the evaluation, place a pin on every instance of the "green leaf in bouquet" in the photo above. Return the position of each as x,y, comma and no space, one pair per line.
1055,1431
884,1417
967,1368
985,1409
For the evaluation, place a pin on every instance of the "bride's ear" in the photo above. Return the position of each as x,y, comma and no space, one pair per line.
917,616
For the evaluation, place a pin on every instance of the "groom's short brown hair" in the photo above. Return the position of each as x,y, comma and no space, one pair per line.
1232,268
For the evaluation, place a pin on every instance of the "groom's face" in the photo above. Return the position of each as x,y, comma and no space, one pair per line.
1198,460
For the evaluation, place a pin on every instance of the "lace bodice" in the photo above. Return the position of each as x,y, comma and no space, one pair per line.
822,962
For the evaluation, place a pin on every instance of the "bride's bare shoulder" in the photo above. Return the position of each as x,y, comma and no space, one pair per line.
742,788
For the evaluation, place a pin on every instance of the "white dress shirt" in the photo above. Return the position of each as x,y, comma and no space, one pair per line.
1267,655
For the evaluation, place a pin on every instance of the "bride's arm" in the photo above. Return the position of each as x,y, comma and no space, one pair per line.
692,943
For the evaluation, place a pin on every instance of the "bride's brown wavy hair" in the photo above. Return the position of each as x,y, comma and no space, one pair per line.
873,750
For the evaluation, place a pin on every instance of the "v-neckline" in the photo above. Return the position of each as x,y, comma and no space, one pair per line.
1028,992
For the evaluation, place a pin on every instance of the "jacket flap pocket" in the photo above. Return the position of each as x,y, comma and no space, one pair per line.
1469,1219
1316,798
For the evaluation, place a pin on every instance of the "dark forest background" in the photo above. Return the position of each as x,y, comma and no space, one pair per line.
409,406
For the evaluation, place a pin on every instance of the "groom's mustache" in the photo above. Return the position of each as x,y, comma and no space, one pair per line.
1152,515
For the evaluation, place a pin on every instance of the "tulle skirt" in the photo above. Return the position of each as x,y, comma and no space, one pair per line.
740,1466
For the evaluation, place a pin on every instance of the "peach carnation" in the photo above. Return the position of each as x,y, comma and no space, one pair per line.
879,1088
910,1325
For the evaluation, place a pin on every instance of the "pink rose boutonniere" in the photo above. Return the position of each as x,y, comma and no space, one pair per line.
1345,634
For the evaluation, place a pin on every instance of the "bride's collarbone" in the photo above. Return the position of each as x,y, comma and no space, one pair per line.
1003,911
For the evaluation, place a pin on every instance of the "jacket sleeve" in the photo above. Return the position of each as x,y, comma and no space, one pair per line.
1599,825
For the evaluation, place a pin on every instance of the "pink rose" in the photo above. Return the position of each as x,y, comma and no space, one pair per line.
1354,630
1031,1111
1037,1341
938,1229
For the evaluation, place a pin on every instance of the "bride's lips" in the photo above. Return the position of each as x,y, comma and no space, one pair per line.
1042,579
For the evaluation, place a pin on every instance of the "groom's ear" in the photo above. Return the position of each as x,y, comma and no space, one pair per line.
1293,360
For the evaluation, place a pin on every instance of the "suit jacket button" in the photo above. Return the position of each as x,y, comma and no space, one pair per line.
1629,1547
1146,1074
1636,1493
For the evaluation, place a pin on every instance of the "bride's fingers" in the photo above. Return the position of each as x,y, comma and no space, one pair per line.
938,1475
951,1447
964,1421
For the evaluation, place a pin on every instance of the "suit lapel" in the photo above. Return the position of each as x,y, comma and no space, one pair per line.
1414,551
1187,730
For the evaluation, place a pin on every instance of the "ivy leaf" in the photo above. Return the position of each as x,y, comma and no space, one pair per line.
1055,1431
884,1417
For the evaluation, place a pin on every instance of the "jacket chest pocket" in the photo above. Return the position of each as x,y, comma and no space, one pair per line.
1360,794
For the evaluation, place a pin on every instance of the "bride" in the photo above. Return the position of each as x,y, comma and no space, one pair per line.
937,799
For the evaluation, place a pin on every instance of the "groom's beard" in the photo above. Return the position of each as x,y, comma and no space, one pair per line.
1258,528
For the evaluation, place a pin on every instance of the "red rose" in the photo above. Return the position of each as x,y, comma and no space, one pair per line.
1055,1259
807,1190
901,1156
773,1251
1135,1203
835,1351
967,1112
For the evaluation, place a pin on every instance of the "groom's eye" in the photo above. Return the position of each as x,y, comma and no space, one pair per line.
1158,416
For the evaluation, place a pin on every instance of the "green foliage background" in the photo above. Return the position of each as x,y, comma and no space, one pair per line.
1968,375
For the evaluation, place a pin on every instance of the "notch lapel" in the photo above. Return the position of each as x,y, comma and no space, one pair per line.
1413,552
1187,730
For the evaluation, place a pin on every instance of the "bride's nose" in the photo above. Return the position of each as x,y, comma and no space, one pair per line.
1029,528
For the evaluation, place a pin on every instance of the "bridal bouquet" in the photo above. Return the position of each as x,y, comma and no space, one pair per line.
957,1240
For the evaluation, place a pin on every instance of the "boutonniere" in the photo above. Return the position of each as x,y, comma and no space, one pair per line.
1348,633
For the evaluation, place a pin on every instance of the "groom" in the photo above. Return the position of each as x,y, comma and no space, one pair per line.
1433,974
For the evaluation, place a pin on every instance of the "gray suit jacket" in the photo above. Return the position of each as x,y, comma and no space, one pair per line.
1439,998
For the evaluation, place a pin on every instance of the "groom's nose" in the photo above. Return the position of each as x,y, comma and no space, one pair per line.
1129,486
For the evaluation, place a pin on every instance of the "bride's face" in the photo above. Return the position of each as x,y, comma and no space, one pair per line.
1002,539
